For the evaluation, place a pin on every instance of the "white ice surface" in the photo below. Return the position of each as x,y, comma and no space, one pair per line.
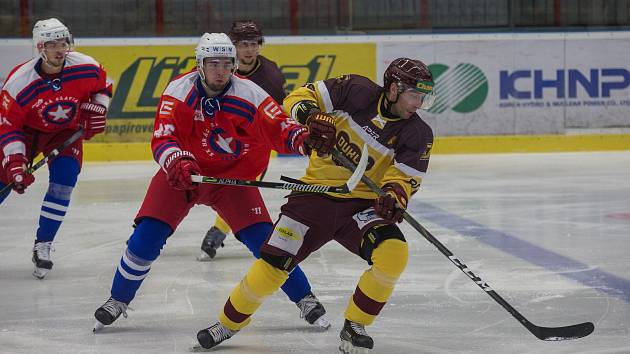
574,205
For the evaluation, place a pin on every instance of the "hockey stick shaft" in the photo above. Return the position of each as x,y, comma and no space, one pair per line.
313,188
543,333
346,188
74,137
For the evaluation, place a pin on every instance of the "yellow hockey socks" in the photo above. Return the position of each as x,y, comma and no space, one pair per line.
261,280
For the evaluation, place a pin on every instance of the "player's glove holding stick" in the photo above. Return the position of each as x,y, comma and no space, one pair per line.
390,206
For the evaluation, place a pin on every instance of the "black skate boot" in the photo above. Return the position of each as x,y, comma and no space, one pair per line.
313,311
212,336
108,313
41,259
354,339
211,242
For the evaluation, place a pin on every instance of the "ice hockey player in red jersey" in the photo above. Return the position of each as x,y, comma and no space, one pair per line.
399,144
42,103
247,37
211,122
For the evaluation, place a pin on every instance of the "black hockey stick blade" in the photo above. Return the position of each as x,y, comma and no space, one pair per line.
561,333
543,333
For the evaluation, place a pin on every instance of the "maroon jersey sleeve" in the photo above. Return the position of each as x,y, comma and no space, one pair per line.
269,78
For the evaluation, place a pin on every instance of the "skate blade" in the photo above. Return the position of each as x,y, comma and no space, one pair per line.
197,348
322,323
204,257
97,327
346,347
40,273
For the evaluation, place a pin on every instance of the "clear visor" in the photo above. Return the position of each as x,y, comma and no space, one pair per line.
58,44
219,64
426,99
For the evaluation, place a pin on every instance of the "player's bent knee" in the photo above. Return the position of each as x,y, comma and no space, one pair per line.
375,236
391,257
264,279
148,238
254,236
285,263
64,170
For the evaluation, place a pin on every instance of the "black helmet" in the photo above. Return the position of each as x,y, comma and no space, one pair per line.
408,73
246,30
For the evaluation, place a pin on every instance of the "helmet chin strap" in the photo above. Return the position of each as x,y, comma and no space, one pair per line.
399,90
202,75
45,59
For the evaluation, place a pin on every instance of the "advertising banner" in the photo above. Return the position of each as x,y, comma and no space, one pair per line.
140,74
523,83
487,84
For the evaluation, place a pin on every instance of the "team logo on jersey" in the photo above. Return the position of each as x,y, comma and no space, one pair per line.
166,109
210,105
219,142
59,112
379,122
350,150
55,84
365,218
198,116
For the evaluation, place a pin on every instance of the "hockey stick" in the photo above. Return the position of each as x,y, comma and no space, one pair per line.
544,333
346,188
74,137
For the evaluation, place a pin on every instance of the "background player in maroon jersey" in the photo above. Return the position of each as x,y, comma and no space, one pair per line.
399,143
211,122
247,37
43,102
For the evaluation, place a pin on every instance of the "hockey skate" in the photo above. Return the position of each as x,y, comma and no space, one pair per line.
313,311
41,259
354,339
211,242
211,337
108,313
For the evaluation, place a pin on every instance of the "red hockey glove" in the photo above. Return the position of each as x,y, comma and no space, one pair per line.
179,166
15,167
322,133
299,142
93,119
391,205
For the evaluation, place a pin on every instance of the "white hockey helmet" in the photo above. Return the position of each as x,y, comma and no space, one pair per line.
215,45
50,30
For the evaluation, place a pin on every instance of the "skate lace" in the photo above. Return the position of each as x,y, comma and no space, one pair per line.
43,250
220,333
358,328
115,308
306,305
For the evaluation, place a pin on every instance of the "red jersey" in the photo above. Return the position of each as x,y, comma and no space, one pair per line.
231,135
30,102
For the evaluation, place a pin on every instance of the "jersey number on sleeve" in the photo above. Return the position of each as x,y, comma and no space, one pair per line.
164,129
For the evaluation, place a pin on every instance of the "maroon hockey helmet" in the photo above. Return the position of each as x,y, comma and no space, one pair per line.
409,73
246,30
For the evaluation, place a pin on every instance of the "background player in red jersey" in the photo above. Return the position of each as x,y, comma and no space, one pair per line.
42,103
211,122
399,144
247,37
